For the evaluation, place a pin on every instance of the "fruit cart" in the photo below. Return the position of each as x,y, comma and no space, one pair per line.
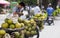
10,32
29,27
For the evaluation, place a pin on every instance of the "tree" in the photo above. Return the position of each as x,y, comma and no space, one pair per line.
54,3
45,3
29,2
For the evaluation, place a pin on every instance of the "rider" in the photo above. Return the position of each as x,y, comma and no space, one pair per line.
50,10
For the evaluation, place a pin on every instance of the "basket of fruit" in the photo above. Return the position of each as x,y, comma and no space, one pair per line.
39,19
3,34
30,28
9,26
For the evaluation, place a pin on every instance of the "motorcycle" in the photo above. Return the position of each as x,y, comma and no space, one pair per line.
50,20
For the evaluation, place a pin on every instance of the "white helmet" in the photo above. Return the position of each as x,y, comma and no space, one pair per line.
49,4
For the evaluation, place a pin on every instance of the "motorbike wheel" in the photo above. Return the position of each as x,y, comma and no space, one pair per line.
49,23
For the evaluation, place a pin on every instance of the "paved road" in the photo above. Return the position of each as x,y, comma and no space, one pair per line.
51,31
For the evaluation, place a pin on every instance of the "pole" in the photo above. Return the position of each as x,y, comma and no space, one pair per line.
38,2
41,4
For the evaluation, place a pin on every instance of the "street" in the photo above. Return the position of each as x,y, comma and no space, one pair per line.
52,31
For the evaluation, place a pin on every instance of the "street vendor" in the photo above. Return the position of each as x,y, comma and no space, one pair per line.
19,9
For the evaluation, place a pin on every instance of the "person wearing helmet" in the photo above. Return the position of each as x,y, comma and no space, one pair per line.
50,10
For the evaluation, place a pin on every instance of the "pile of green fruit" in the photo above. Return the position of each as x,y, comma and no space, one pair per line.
30,28
39,18
56,12
9,24
30,25
18,34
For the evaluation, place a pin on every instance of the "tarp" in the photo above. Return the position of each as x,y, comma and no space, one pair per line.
4,2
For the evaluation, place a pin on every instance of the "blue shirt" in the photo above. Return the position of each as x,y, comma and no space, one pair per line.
50,10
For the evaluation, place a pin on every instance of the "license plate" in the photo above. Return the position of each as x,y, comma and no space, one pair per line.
50,19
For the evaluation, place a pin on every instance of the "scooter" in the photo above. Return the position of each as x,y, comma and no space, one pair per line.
50,20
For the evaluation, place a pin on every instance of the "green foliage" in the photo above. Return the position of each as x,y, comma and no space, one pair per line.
29,2
56,12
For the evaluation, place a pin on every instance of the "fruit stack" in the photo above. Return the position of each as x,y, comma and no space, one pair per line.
9,24
30,28
39,18
56,12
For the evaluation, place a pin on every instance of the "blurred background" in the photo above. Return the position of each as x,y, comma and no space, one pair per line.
40,2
